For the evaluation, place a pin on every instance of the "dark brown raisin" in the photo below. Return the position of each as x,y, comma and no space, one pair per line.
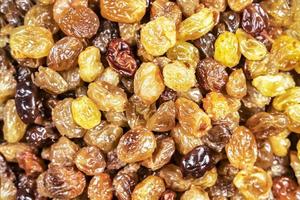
121,57
254,19
231,20
217,137
197,162
40,136
206,44
211,75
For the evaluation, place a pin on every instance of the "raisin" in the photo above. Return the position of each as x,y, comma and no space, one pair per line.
217,137
79,22
167,95
168,195
28,161
231,19
100,187
211,75
206,44
64,53
28,102
40,136
166,8
108,31
121,57
254,19
197,162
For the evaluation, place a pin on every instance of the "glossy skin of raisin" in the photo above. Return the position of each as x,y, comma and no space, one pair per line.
211,75
79,22
231,19
100,187
40,136
254,19
283,188
121,57
217,137
197,161
206,44
64,53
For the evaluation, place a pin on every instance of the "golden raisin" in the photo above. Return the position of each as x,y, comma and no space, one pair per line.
85,112
216,106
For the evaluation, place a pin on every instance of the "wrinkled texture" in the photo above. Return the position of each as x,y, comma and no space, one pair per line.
242,148
158,36
150,188
136,145
100,187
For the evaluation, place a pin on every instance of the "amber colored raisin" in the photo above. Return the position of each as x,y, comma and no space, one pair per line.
136,145
162,154
211,75
90,160
238,5
192,118
264,124
100,187
163,119
282,187
242,148
148,83
236,85
120,56
150,188
264,154
253,183
79,22
125,11
197,162
60,7
195,193
174,179
28,161
216,106
168,195
64,53
61,182
166,8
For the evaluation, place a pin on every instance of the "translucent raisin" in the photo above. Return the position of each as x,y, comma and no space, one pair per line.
100,187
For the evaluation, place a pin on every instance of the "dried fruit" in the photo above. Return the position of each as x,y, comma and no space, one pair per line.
40,136
188,7
292,112
227,42
179,77
283,188
50,81
211,75
136,145
110,76
242,148
158,36
107,97
148,83
121,58
251,48
174,179
150,188
197,162
264,154
163,119
100,187
41,15
61,6
184,141
11,150
280,143
63,152
79,21
184,52
30,42
231,20
27,100
254,99
13,128
253,183
264,124
63,120
64,53
28,161
90,160
165,148
206,44
236,86
217,137
216,106
195,193
105,136
196,25
125,11
129,32
254,19
238,5
90,66
167,9
192,118
61,182
289,97
85,112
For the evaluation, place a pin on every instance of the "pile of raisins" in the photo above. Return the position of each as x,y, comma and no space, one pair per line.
150,99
